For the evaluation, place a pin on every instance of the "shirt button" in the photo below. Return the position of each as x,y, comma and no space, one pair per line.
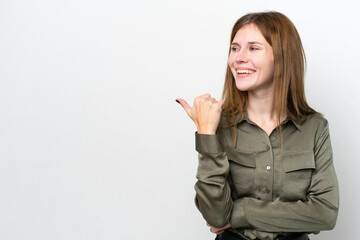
268,168
267,190
267,147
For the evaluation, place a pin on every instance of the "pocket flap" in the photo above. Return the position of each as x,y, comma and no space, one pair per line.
297,161
243,158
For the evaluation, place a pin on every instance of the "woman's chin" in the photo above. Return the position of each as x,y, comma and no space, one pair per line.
243,87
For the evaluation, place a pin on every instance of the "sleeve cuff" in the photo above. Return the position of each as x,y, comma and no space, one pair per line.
238,219
205,143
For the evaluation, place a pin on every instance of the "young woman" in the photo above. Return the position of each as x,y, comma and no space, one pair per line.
265,159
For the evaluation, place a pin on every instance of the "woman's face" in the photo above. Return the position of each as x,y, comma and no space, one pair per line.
251,60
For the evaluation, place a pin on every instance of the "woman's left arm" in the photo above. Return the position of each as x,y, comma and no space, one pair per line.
318,213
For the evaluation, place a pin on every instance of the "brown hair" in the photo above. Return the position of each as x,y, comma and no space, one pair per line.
289,70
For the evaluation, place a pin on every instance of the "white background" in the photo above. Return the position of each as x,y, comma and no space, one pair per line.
92,142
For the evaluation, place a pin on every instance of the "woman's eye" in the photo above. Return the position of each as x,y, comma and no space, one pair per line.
234,49
253,48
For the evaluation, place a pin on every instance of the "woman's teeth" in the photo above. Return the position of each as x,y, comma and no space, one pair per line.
244,71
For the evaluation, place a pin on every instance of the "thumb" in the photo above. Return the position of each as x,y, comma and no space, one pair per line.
185,105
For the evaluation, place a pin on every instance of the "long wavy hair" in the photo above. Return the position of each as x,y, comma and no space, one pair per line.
288,79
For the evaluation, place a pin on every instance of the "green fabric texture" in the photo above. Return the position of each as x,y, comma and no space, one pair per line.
265,193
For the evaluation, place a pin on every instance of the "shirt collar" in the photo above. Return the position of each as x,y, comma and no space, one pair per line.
296,123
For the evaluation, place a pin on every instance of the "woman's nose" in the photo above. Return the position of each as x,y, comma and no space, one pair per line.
241,56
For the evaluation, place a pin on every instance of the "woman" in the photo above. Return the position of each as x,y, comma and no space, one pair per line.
265,159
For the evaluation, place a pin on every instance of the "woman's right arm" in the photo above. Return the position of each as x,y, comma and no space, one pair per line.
213,194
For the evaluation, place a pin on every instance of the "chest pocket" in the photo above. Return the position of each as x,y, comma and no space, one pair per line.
296,175
242,170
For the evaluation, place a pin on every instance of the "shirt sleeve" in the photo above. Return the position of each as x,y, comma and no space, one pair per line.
213,193
318,213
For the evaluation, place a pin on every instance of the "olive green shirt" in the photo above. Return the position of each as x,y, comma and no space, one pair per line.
265,193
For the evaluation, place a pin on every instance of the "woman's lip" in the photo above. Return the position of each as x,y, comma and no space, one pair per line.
243,75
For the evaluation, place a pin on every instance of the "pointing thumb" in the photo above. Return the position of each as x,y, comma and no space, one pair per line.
185,105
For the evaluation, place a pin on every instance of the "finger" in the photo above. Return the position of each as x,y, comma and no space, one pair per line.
216,230
221,103
202,98
220,232
207,95
185,105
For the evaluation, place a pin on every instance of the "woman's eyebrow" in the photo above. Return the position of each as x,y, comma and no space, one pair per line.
252,42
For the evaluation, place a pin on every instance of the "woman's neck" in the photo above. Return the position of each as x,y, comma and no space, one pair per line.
260,104
260,110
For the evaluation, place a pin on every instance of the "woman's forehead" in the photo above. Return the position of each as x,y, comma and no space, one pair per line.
249,33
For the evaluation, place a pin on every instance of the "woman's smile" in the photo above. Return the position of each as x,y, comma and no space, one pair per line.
244,72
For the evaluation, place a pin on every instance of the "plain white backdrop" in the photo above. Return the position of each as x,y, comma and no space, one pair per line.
92,142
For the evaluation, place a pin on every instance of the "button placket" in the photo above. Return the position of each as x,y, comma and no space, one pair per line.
269,165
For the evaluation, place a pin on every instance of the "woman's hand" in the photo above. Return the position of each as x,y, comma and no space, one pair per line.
205,113
218,230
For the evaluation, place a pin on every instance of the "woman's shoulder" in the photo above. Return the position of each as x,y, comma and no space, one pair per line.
316,118
315,122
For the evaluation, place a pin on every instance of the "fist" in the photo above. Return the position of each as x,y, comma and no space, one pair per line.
205,113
